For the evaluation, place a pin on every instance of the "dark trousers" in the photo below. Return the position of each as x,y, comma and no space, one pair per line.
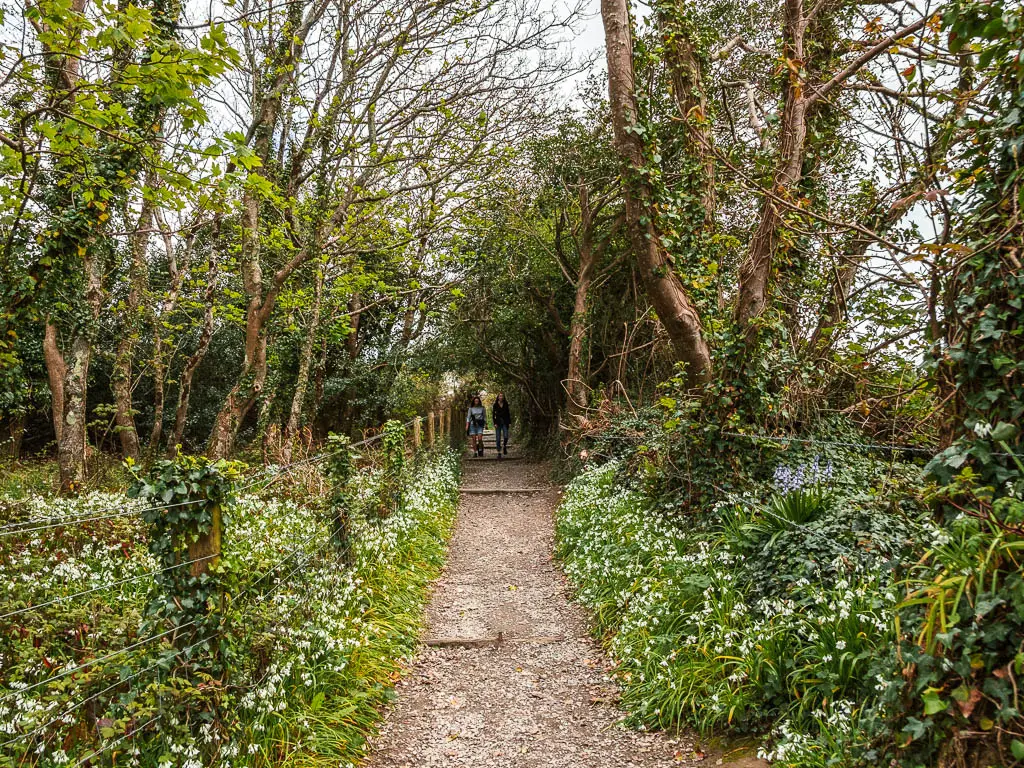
500,430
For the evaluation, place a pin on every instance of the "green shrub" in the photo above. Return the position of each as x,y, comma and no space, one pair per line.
963,652
772,611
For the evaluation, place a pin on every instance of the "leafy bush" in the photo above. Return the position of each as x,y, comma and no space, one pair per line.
773,610
964,620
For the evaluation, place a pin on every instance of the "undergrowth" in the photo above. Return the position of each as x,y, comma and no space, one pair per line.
816,601
314,644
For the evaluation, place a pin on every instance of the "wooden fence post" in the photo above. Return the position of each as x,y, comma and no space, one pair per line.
416,434
430,429
205,550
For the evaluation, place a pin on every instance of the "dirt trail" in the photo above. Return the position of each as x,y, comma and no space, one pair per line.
540,697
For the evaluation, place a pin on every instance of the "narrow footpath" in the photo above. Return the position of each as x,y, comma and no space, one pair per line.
539,695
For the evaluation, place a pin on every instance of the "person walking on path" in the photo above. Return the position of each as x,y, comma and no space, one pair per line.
476,420
502,418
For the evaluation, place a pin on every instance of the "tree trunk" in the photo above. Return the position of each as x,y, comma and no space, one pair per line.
318,378
254,365
71,447
268,427
756,269
167,307
355,312
259,308
576,387
668,296
291,429
834,310
72,443
185,379
156,432
16,430
121,377
56,370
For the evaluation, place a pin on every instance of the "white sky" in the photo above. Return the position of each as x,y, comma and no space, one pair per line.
589,41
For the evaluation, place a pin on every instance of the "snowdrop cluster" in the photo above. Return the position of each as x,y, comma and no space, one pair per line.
693,640
311,628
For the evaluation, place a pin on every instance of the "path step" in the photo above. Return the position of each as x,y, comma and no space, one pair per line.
491,641
543,489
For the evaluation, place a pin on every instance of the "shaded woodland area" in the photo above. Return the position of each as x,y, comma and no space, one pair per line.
287,219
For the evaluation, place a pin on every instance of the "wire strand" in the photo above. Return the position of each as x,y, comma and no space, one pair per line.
840,443
113,744
85,665
147,574
10,531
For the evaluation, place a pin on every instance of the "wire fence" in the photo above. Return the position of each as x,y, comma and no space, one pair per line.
265,476
259,590
156,665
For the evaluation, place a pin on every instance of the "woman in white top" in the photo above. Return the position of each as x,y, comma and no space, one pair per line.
476,420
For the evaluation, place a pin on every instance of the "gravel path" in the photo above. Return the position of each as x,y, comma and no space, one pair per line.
539,697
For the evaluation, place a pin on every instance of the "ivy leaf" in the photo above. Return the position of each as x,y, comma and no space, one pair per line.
933,703
1017,749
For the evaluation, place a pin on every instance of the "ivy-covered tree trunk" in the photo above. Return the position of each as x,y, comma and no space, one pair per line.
686,70
121,377
576,387
676,311
756,269
976,319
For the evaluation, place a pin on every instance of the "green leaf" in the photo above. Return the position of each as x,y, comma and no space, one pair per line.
1017,749
933,703
1004,431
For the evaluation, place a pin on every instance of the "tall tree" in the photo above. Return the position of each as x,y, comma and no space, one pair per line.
674,307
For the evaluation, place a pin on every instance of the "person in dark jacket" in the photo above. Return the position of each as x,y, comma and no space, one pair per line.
502,418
